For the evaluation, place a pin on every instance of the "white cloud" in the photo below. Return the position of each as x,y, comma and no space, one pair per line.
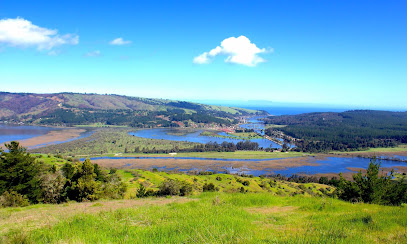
237,50
22,33
119,41
96,53
53,53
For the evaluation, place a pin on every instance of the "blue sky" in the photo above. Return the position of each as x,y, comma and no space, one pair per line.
342,53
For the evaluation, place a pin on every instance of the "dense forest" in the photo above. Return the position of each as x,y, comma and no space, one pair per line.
139,119
347,131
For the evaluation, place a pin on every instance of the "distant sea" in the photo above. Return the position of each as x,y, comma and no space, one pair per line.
294,110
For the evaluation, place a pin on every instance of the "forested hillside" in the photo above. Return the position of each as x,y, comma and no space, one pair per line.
350,130
75,108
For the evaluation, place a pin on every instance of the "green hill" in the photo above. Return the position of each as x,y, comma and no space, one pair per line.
76,108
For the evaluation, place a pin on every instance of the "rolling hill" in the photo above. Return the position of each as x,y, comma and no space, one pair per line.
76,108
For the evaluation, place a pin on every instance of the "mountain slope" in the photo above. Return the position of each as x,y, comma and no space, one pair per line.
94,108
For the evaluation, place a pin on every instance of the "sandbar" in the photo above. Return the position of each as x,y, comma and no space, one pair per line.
51,137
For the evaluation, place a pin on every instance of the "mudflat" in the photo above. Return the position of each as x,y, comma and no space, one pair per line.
52,137
188,164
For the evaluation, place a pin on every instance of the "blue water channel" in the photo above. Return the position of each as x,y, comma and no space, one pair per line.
193,136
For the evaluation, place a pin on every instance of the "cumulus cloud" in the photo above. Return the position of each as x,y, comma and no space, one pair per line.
22,33
119,41
238,50
96,53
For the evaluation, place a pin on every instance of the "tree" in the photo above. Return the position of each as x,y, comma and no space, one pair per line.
372,187
19,172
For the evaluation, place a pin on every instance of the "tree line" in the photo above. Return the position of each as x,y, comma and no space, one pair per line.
207,147
24,180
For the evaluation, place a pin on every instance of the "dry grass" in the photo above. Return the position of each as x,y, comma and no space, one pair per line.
46,215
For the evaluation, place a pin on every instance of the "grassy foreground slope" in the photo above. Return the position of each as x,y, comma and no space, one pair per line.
209,218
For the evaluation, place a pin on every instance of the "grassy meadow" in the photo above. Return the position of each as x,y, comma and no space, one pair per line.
208,218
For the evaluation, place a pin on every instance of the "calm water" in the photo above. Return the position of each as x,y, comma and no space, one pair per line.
193,136
337,165
327,165
17,133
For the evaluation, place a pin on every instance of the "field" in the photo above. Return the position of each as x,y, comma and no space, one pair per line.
110,140
226,155
239,136
208,218
274,126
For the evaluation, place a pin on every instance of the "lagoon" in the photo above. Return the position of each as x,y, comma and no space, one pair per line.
22,132
193,136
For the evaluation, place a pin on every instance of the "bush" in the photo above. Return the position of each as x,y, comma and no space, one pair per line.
186,189
52,185
141,192
169,187
208,187
13,199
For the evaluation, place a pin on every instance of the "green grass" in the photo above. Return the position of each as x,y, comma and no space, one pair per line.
223,182
239,136
110,141
49,159
274,126
246,135
228,218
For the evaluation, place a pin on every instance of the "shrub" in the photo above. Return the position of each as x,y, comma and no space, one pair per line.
186,189
141,192
52,185
13,199
169,187
208,187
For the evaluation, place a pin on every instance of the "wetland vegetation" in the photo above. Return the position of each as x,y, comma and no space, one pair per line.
213,208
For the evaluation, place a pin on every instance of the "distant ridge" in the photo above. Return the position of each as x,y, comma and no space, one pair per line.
31,107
